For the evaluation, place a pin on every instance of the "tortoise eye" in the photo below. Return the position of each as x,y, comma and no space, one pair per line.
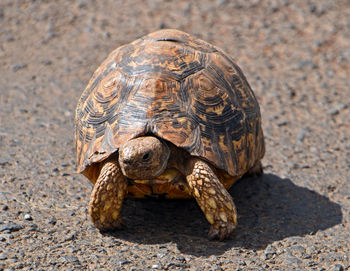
146,157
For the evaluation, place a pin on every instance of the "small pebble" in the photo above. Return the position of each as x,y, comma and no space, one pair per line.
301,136
292,260
282,123
11,227
183,265
28,217
338,267
51,221
161,255
124,262
70,237
19,266
242,263
34,227
47,62
181,258
18,66
10,39
298,251
306,63
295,166
269,252
3,256
279,251
334,111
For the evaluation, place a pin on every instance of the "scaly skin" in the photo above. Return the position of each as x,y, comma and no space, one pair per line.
107,197
214,200
257,170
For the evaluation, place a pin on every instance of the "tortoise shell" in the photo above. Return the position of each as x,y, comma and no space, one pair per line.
178,88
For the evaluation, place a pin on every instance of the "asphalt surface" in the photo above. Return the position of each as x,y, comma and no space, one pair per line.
295,55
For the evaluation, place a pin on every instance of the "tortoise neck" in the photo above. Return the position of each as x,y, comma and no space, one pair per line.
178,159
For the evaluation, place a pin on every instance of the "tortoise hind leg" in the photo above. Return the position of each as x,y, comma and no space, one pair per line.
107,197
257,170
212,197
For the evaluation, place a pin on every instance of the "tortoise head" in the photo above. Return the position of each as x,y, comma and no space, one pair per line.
143,157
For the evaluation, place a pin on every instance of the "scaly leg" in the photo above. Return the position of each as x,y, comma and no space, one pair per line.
107,197
214,200
257,170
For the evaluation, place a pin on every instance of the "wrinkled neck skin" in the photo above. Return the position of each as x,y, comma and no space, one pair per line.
180,160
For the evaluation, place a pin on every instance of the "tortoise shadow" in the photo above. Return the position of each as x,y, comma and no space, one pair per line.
269,208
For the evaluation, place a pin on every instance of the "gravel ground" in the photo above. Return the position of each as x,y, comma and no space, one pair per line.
296,56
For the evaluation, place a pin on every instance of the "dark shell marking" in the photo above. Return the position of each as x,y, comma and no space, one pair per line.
178,88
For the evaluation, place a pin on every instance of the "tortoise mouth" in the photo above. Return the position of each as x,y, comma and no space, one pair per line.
143,172
168,39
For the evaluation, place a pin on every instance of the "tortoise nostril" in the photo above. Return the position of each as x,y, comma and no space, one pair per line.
127,160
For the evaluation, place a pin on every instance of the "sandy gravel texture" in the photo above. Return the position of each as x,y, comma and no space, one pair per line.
295,55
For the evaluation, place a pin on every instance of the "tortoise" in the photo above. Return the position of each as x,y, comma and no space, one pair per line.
172,116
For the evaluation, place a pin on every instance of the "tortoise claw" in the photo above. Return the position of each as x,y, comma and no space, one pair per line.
221,232
117,224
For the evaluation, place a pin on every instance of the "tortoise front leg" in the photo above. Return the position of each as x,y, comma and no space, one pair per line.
107,197
214,200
